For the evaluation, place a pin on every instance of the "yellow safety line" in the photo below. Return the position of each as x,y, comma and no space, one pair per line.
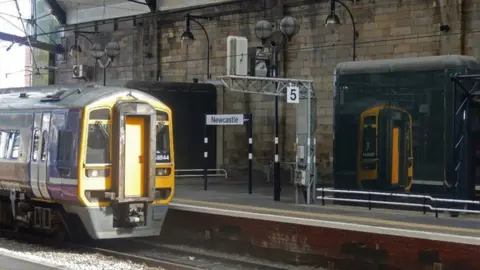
329,216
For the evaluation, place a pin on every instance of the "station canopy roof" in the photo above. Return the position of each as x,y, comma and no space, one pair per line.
50,16
78,11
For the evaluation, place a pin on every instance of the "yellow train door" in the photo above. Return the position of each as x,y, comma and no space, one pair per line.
394,139
134,156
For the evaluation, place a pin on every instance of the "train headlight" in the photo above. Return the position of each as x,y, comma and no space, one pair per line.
163,171
97,172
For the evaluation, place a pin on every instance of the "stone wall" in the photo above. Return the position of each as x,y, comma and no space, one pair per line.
151,50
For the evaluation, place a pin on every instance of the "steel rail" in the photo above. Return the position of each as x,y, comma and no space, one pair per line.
90,246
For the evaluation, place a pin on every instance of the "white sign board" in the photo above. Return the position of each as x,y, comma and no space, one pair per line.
293,94
224,119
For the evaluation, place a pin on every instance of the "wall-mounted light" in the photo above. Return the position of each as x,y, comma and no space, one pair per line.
332,19
188,38
76,50
444,28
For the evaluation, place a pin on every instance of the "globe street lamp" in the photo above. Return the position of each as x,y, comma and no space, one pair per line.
264,30
289,26
333,19
188,38
111,50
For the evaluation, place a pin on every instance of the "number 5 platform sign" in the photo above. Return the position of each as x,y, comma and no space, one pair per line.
293,94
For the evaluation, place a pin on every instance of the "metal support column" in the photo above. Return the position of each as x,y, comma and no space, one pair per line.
277,185
250,152
205,157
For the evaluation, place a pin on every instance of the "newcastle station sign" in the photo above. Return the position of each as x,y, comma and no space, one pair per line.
224,119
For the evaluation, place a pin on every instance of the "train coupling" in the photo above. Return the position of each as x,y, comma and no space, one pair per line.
129,215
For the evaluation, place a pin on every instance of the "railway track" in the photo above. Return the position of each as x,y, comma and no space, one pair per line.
197,260
154,262
140,251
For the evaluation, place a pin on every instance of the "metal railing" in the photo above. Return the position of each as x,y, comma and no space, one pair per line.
426,200
218,173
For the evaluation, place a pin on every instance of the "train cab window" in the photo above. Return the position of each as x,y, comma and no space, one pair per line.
369,138
36,141
65,144
162,116
43,154
163,143
163,138
98,148
100,114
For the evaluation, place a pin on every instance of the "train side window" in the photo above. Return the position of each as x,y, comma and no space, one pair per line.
9,144
3,144
100,114
65,145
15,135
43,155
36,140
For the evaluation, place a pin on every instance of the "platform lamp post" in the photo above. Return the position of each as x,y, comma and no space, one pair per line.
188,38
111,50
333,19
264,31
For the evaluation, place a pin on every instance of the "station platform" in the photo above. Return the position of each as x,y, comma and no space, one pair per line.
228,219
8,262
230,198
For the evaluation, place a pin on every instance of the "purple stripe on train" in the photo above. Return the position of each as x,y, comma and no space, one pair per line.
63,192
63,173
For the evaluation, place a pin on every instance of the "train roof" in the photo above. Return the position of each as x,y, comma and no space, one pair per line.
408,64
59,96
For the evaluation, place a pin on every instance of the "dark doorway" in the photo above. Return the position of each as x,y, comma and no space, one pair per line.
189,103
